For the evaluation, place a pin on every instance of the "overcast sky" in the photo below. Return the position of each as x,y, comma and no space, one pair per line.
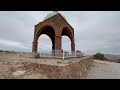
95,31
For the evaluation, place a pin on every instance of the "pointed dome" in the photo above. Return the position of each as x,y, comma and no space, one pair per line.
51,14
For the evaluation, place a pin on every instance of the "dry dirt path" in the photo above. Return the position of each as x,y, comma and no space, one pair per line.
104,70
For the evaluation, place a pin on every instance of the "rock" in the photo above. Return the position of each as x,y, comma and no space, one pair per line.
18,72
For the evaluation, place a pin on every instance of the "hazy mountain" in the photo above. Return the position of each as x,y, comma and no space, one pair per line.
111,57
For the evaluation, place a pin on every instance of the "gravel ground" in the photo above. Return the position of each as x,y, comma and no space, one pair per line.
103,70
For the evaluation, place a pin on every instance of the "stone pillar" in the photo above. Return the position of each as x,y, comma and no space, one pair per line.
53,48
34,48
53,44
58,45
72,46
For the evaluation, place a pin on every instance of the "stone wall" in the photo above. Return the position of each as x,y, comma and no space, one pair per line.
70,71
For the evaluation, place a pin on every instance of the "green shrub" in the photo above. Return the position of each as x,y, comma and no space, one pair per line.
37,56
99,56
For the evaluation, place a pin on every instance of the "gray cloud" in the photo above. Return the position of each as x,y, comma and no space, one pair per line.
95,31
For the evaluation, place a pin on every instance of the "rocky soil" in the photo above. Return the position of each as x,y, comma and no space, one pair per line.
13,66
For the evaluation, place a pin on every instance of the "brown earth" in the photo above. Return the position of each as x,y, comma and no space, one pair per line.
13,66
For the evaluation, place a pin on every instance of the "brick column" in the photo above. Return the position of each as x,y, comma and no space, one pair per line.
72,46
53,44
58,45
53,48
34,48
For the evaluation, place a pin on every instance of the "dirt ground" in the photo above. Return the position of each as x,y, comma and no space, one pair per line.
103,70
12,66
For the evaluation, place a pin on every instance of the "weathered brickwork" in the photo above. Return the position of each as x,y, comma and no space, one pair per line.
70,71
54,27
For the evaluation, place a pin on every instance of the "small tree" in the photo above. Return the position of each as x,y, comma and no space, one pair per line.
37,56
99,56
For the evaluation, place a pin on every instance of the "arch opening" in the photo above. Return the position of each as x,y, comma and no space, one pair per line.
46,30
44,43
67,32
66,43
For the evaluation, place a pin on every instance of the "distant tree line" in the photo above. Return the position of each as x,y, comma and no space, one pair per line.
99,56
7,51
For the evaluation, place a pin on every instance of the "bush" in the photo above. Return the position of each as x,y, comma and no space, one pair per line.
118,60
59,62
37,56
99,56
1,50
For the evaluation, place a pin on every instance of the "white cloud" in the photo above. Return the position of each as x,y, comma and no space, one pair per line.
9,43
94,30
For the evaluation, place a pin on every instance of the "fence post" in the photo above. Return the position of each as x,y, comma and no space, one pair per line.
63,54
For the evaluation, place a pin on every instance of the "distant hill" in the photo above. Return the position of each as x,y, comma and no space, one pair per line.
112,58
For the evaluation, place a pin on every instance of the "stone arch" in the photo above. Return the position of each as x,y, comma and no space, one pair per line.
54,27
43,41
47,30
68,32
